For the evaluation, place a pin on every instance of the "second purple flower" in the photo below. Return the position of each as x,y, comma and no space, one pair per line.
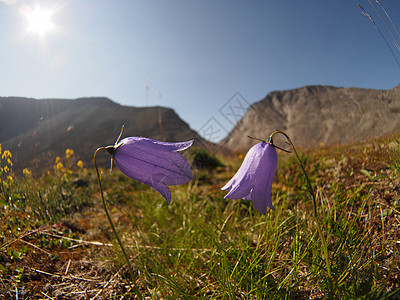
253,180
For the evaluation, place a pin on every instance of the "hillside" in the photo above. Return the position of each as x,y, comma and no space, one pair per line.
36,131
320,115
55,239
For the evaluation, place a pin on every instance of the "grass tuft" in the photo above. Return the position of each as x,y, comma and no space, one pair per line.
55,238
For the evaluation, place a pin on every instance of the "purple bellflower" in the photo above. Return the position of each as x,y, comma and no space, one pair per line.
152,162
253,180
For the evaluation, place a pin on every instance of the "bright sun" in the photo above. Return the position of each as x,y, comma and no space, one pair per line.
39,21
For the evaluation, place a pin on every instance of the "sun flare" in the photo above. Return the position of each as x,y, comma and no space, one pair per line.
39,21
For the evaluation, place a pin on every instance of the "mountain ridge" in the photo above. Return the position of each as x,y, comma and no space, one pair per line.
36,131
319,115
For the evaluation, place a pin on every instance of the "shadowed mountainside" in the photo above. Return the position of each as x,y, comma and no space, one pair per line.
319,115
36,131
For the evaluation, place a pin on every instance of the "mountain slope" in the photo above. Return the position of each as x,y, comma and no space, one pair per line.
36,131
315,115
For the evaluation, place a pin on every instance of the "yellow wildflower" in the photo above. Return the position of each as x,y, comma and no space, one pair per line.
69,153
80,164
10,179
6,169
26,172
60,166
9,162
6,154
58,159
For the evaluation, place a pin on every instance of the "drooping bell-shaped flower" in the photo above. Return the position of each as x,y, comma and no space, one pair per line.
155,163
253,180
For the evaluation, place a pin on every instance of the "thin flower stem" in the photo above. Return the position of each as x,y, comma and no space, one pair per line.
112,224
120,134
310,188
111,149
269,142
317,221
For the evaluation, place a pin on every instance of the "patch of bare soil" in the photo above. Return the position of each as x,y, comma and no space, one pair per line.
59,268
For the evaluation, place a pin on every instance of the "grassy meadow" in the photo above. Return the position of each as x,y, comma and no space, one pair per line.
56,242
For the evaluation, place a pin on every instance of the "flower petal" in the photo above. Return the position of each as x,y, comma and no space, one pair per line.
153,162
163,146
142,157
242,182
261,192
253,180
163,190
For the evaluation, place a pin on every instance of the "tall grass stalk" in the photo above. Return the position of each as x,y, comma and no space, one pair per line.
394,37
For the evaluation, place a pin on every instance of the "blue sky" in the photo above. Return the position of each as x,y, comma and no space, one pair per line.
194,55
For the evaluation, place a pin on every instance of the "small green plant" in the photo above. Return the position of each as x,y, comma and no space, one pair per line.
202,159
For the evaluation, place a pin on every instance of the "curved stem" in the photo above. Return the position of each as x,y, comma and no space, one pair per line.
317,221
111,149
269,142
111,222
310,188
120,134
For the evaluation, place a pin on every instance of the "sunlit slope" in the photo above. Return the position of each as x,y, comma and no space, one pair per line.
320,115
36,131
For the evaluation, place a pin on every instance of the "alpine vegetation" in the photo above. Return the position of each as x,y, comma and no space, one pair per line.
60,236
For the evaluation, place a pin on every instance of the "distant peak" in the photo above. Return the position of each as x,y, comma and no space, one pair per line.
96,100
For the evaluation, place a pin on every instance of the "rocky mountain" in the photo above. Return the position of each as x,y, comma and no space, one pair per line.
36,131
319,115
